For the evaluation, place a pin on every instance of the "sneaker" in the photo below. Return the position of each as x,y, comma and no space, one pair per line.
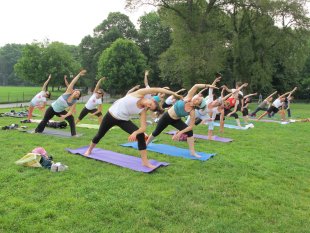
58,167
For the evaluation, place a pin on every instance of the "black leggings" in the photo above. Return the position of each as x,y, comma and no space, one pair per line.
257,110
166,120
49,114
109,121
85,111
245,112
226,111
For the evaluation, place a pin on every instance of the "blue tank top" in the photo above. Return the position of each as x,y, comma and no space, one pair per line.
62,103
179,108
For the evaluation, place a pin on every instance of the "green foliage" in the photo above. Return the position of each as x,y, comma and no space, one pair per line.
117,25
123,63
198,49
154,39
9,54
39,60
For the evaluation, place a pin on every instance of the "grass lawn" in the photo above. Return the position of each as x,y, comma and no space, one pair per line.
257,183
21,94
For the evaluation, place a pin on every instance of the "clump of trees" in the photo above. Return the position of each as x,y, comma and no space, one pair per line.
264,43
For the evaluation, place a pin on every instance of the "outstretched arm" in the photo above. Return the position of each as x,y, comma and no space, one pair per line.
194,89
285,94
216,81
98,84
73,82
249,95
69,113
188,128
292,91
66,81
270,96
152,90
133,136
146,82
133,89
183,89
46,82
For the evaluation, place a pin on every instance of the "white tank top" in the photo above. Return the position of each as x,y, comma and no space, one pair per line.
39,99
93,102
277,103
123,108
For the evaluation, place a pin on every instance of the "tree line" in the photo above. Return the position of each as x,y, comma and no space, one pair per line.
264,43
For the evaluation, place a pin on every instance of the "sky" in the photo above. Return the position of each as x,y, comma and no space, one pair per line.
67,21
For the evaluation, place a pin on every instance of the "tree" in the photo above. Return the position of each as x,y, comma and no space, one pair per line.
9,54
39,60
154,39
117,25
124,64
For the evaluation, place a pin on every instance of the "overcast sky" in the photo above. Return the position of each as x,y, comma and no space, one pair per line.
68,21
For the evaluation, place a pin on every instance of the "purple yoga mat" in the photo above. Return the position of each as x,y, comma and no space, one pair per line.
122,160
205,137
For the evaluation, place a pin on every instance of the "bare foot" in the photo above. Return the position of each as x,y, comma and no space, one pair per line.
196,155
149,165
87,153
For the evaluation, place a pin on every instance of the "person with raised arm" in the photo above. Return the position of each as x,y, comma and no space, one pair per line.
39,100
277,105
182,108
58,107
264,105
94,104
244,109
120,112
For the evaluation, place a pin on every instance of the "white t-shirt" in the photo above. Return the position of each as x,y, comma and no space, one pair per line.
277,103
125,107
93,102
169,100
39,99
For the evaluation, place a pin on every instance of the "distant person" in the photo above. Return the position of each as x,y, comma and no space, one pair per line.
94,104
264,105
58,108
260,98
277,105
39,101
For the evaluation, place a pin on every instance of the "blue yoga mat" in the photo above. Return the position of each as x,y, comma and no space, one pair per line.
171,150
231,126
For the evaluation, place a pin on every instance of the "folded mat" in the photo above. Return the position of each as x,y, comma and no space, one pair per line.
205,137
171,150
274,121
122,160
55,132
89,126
235,126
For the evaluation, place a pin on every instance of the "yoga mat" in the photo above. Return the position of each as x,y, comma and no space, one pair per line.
231,126
89,126
122,160
205,137
57,133
92,126
39,120
274,121
171,150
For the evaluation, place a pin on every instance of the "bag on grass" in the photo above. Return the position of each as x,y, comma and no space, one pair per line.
30,160
57,125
